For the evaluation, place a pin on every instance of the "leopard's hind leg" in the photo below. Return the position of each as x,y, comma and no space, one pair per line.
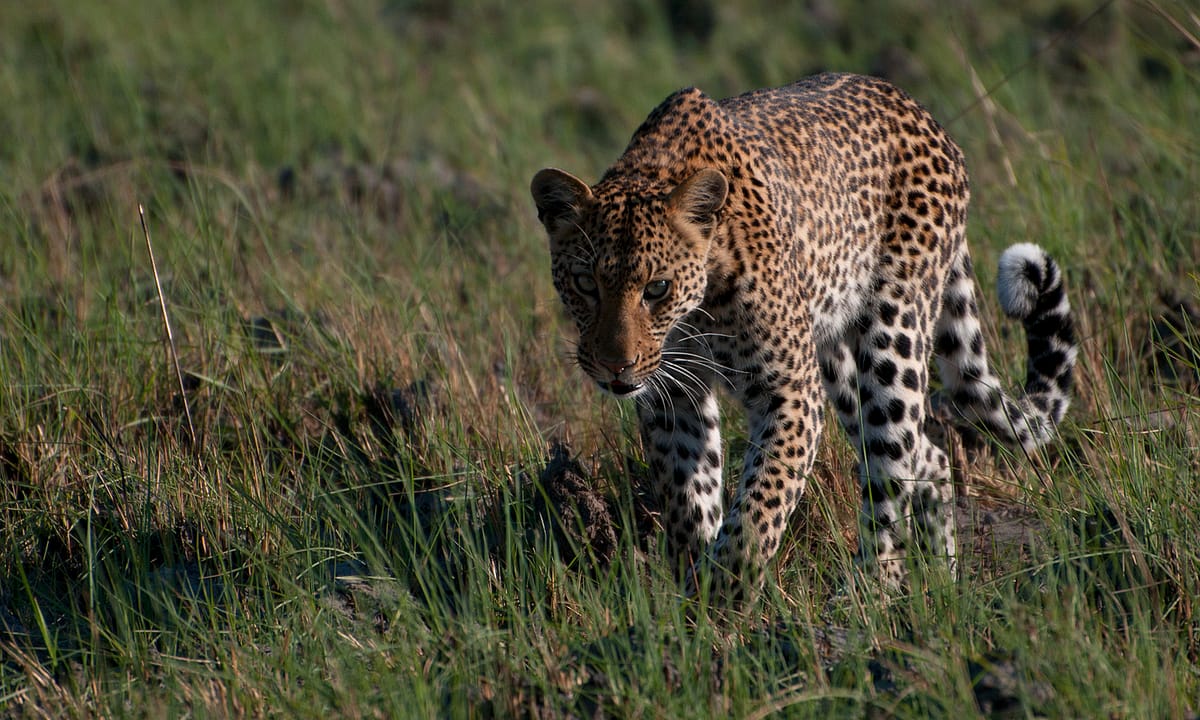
877,378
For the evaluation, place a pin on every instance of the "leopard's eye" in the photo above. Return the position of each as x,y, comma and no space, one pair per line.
584,282
656,290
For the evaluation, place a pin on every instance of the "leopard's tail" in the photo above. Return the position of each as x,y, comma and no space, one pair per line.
1031,290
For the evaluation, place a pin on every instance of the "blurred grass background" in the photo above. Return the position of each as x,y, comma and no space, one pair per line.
366,524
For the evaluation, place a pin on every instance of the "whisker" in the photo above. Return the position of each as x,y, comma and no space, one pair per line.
697,384
583,234
707,365
702,360
691,391
583,260
697,332
705,313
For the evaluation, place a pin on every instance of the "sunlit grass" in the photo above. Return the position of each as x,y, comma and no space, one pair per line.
374,359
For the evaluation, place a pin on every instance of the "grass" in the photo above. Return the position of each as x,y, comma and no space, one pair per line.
372,354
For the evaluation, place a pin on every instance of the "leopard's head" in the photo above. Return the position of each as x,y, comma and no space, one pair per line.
629,259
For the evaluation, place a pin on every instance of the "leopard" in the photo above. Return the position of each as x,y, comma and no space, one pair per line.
796,247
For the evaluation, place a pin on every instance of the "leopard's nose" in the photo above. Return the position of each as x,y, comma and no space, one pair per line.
616,367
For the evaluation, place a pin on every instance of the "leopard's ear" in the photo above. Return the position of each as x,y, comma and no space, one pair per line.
698,199
559,197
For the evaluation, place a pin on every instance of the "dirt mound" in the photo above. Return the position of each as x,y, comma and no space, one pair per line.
575,515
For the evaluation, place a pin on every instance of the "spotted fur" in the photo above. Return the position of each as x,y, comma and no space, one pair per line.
792,245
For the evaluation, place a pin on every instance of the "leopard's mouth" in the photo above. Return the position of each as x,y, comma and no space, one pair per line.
621,389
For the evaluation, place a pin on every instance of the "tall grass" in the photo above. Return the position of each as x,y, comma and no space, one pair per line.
373,355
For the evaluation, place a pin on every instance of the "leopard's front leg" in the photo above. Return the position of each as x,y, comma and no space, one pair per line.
785,420
681,438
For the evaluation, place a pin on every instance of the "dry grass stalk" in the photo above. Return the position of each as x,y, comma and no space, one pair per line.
171,350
